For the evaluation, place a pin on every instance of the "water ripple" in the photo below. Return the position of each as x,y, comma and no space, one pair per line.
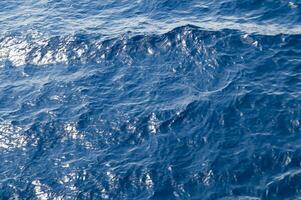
124,100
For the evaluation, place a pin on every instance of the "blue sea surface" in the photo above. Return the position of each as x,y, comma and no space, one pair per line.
150,99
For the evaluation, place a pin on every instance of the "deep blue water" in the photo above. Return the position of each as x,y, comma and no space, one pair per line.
146,99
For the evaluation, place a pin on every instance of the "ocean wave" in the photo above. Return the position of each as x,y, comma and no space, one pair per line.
113,18
150,99
187,40
185,114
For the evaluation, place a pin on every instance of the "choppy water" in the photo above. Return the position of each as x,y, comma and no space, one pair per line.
147,99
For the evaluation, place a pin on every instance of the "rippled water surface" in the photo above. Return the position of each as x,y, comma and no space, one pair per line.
150,99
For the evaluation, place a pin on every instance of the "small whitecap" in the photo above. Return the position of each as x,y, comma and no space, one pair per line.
176,194
104,194
69,181
152,124
150,51
131,128
65,165
296,122
148,181
292,5
55,97
80,52
288,160
184,43
112,178
205,139
208,177
249,40
72,132
40,190
61,57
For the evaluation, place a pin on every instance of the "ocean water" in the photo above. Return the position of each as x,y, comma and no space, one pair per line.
145,99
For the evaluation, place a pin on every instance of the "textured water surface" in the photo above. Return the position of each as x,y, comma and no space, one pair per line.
150,99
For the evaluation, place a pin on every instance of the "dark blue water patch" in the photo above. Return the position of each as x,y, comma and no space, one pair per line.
188,114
